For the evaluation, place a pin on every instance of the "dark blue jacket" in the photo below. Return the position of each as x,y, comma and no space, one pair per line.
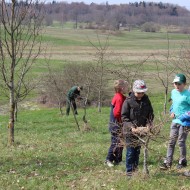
185,119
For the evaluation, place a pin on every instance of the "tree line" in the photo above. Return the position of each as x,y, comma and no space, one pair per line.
115,16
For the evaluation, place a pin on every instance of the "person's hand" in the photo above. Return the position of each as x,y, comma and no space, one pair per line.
134,130
172,115
149,126
143,130
140,130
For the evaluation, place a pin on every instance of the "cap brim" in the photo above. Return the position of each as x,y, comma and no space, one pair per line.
143,90
176,80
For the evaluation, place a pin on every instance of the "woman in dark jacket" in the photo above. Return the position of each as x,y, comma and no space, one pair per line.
137,112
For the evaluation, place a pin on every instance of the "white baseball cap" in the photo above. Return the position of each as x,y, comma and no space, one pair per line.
139,86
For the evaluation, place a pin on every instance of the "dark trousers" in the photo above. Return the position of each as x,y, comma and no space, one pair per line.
116,149
132,158
69,102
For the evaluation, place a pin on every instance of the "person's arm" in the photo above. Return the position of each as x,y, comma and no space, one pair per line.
76,93
117,110
150,115
151,112
125,116
188,99
172,114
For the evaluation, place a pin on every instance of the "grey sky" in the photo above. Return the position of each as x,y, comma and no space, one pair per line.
184,3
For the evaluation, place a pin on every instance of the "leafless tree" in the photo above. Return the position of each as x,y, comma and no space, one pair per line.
20,45
143,137
57,83
165,68
182,61
99,68
119,69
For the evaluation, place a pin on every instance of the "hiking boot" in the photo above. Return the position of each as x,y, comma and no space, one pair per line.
109,163
181,165
165,166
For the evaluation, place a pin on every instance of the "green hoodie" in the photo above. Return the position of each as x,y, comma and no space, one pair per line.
73,92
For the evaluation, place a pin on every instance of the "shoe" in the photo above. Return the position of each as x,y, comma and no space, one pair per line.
182,165
186,173
129,175
165,166
109,163
119,163
136,169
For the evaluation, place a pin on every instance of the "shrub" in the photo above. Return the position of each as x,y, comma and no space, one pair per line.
150,27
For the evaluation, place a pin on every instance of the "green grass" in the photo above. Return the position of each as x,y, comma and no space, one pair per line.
128,40
50,153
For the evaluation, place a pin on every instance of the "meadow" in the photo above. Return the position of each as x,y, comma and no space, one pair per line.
50,153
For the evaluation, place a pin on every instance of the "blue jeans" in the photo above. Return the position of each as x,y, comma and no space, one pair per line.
132,158
116,149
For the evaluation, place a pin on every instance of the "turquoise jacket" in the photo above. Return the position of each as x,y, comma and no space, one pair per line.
181,104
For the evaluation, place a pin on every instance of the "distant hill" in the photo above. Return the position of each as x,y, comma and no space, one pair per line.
115,16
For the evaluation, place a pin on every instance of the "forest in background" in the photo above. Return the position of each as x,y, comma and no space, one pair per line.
106,16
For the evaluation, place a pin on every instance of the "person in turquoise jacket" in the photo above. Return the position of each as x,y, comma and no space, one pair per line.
180,105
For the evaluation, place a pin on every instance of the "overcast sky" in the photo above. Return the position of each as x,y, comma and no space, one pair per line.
184,3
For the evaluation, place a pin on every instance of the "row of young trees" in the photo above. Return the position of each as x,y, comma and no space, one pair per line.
114,16
20,44
106,67
98,75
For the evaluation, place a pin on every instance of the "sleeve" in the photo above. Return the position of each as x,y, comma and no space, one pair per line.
125,116
151,112
117,110
76,92
188,99
171,109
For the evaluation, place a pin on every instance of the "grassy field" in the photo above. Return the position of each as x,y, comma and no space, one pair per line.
66,45
49,151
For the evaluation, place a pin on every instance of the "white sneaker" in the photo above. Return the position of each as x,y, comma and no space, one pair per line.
186,173
108,163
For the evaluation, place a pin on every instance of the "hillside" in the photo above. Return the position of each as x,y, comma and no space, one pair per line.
114,16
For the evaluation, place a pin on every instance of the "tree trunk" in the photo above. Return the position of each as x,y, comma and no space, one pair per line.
76,21
60,108
165,100
16,112
99,101
145,165
75,116
85,103
11,118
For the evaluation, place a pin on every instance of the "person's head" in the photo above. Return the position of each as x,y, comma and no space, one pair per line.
179,82
80,88
139,89
121,86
